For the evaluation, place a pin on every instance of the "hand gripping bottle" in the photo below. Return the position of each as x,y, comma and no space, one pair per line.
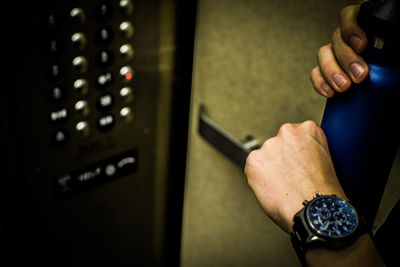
362,125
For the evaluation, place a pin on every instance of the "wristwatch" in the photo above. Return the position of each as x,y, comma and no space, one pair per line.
326,221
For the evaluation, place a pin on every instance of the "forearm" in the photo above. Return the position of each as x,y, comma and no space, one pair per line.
361,253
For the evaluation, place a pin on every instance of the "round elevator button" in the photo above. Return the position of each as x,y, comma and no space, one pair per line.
105,102
126,29
80,64
79,40
103,11
77,15
82,127
126,113
126,93
104,35
60,137
126,7
104,58
82,107
126,73
105,122
81,86
126,51
104,80
57,94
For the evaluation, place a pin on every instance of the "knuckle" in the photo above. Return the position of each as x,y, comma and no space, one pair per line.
312,127
310,124
268,143
286,128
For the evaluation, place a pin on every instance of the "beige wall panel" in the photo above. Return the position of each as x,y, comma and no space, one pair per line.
251,72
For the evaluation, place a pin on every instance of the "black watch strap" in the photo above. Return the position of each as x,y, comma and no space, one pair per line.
298,248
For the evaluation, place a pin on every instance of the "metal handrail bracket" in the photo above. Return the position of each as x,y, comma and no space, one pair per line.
225,143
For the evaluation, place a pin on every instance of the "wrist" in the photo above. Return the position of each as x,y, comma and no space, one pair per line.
361,253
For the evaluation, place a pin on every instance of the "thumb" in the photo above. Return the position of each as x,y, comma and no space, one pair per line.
351,32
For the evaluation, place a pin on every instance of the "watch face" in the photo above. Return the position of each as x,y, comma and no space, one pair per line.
332,216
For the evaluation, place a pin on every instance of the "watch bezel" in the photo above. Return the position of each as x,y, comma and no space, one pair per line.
322,234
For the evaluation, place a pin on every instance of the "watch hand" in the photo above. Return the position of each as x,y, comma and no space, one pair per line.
325,225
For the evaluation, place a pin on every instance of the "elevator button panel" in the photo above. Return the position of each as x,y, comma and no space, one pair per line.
89,85
90,73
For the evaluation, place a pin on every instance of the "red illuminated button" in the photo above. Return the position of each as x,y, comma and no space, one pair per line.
126,73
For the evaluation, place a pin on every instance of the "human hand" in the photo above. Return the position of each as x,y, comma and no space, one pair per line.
290,168
339,62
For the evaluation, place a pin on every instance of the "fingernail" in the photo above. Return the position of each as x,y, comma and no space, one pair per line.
355,42
340,80
357,70
326,88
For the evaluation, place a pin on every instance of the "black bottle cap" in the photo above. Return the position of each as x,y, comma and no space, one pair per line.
380,18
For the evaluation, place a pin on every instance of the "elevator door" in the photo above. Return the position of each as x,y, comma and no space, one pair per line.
251,74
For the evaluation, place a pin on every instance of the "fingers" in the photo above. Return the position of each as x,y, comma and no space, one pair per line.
339,63
351,32
331,71
320,84
353,64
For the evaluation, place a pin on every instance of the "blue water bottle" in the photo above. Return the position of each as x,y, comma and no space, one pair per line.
362,124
